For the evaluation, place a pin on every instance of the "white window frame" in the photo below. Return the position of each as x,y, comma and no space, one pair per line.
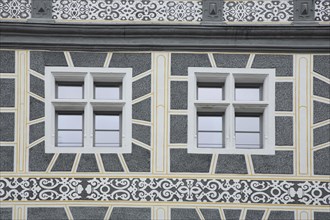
228,106
88,105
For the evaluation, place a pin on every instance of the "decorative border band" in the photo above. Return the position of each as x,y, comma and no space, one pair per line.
164,189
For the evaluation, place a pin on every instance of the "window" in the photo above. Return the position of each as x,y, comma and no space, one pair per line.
231,111
88,110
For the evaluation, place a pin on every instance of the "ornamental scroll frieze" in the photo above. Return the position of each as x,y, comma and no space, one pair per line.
15,9
322,10
164,189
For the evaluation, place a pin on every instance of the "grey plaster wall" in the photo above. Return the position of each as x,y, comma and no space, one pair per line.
140,62
232,214
184,214
231,60
7,61
321,215
321,65
254,214
280,163
141,87
211,214
183,162
85,59
121,213
284,131
64,163
111,163
179,94
7,92
37,109
283,96
283,215
138,160
40,59
322,161
87,163
7,126
142,133
6,213
36,132
142,110
282,63
37,86
321,88
178,128
85,213
231,163
321,111
38,159
181,61
42,213
321,135
6,158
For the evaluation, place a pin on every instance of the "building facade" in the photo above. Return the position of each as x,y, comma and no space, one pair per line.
159,56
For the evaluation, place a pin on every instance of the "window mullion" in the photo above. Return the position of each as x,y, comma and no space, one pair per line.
230,116
89,137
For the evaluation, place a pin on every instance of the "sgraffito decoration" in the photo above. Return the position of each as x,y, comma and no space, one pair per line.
164,189
128,10
258,11
322,10
15,9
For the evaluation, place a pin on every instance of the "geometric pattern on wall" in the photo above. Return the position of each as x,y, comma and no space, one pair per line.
258,11
163,189
322,10
15,9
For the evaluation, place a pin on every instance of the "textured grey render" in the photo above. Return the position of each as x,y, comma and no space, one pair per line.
178,128
179,94
37,86
181,61
86,213
211,214
283,96
85,59
283,215
321,88
40,59
87,163
321,215
284,131
140,62
37,131
38,159
7,92
37,109
322,65
7,126
7,61
121,213
254,214
138,160
321,135
142,110
111,163
183,162
321,111
51,213
142,133
282,63
280,163
322,161
141,87
231,163
232,214
183,214
6,213
231,60
6,159
64,163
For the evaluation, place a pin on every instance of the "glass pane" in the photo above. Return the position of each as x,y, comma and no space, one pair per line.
107,122
107,139
247,94
69,139
247,123
209,93
247,140
107,93
70,92
209,123
69,121
210,139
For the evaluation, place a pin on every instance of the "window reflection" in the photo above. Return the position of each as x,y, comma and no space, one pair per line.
69,129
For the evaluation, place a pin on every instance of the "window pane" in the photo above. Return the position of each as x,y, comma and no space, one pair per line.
209,123
70,92
69,139
210,139
209,93
69,121
107,93
247,123
107,122
107,139
247,140
247,94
